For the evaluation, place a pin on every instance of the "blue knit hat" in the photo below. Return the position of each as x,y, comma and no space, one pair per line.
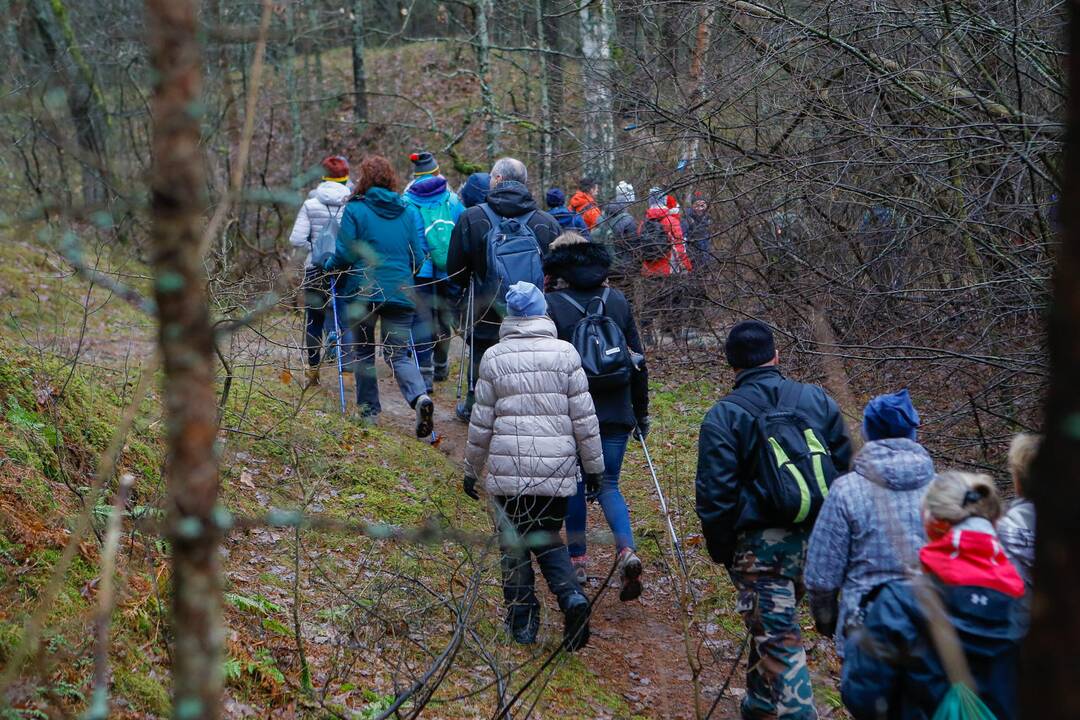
555,198
890,416
475,189
523,299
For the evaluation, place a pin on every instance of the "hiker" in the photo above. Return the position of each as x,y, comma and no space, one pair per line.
580,269
436,294
567,219
380,245
1017,529
472,243
763,542
533,419
583,201
697,229
618,230
892,668
661,229
323,204
870,528
475,189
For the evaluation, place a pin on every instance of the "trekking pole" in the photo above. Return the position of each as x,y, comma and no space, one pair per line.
464,346
340,348
667,515
416,361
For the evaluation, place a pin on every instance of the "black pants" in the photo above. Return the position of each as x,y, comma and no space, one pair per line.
477,348
537,521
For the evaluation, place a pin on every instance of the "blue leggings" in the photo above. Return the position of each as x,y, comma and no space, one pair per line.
611,500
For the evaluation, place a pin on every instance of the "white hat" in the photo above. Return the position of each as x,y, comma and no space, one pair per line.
624,192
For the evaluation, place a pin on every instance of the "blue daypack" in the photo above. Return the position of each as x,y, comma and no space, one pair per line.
513,255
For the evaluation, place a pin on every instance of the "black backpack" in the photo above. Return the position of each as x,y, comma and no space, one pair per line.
792,468
653,243
600,342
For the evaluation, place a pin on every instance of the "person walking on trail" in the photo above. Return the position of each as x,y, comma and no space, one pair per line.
479,235
766,455
436,294
583,202
618,230
568,219
579,269
533,419
475,189
892,667
697,229
380,246
870,528
324,204
1017,528
662,232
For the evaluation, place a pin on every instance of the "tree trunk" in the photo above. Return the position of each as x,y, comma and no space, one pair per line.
1051,661
556,84
360,105
598,151
178,202
482,10
291,89
546,129
697,94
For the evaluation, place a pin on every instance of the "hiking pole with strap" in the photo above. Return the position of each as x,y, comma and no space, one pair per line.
340,348
667,515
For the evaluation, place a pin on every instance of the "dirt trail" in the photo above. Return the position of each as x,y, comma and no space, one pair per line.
638,649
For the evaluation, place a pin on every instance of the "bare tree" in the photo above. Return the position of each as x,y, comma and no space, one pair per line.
360,99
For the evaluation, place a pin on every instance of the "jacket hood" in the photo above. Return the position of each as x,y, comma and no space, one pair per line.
526,327
428,188
970,554
511,199
582,265
896,464
580,200
384,203
332,193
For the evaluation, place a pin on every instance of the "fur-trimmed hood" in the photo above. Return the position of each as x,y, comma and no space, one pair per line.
582,265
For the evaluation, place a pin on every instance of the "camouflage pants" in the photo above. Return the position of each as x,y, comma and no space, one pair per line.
767,573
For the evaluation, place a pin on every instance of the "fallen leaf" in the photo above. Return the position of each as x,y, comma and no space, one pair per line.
285,376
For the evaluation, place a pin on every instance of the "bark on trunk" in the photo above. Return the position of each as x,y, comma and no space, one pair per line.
546,129
597,28
482,10
178,202
1051,662
556,84
360,104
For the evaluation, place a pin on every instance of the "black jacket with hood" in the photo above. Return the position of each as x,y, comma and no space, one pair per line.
582,269
726,503
467,255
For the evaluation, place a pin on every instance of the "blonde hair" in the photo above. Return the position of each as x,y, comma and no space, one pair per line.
956,496
1022,451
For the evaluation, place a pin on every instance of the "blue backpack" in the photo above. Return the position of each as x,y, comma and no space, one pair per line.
513,255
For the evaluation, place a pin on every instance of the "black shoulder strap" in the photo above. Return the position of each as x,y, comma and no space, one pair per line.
573,302
746,404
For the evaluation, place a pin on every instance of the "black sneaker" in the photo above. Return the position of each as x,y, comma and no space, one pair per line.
523,624
425,417
576,623
629,575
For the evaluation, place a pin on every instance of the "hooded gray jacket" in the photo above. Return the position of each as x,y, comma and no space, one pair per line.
533,416
325,200
870,528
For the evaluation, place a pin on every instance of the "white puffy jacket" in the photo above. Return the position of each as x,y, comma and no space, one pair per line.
533,415
326,198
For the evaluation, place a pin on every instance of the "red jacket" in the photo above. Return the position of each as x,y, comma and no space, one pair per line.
585,205
972,557
673,228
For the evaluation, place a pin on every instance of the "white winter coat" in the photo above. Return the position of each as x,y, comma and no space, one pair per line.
326,198
533,415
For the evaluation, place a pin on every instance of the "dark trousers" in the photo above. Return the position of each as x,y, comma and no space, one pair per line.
319,315
534,521
433,327
394,336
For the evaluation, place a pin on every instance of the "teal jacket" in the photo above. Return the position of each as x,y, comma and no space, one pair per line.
380,248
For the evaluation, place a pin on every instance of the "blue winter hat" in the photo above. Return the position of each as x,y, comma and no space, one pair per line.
890,416
523,299
475,189
555,198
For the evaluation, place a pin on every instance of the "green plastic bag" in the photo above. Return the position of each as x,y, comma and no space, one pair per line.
961,703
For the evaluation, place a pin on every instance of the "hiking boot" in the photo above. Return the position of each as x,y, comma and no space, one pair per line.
581,569
576,623
312,376
425,417
523,625
442,374
629,575
463,412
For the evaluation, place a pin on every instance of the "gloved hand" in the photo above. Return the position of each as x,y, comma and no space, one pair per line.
592,485
469,486
641,431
